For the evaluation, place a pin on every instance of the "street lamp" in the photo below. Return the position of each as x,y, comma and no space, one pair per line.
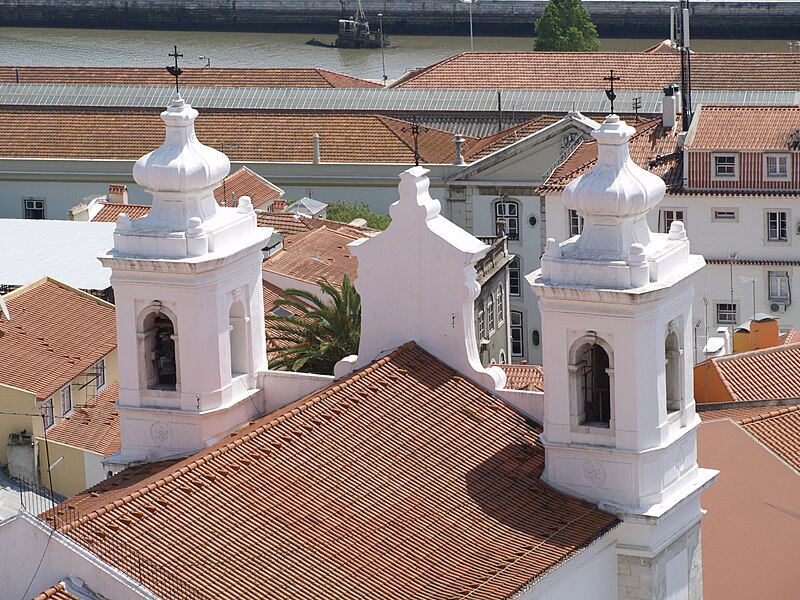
470,2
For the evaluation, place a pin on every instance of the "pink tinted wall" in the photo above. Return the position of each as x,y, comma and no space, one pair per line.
751,533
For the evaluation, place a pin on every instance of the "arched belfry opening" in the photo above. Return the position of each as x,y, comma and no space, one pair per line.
160,350
593,385
672,355
238,339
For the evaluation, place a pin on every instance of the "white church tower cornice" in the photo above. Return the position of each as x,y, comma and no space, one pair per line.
190,310
619,414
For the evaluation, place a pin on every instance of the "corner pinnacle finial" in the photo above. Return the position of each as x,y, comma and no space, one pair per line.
175,71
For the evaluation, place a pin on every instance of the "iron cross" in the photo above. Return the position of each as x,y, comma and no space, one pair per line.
415,134
610,93
176,70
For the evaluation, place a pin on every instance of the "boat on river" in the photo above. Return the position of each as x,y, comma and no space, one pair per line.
355,33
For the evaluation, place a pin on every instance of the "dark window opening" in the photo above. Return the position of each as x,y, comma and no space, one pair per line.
595,385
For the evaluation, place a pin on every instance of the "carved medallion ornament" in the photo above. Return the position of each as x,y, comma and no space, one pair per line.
160,432
594,473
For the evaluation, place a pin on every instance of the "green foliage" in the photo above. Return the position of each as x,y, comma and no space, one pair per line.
344,212
320,333
565,26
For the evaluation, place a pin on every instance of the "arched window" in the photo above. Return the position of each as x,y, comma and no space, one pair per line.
672,354
238,339
161,359
508,211
500,305
594,385
502,357
490,313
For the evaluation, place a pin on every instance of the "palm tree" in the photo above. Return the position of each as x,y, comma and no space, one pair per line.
320,333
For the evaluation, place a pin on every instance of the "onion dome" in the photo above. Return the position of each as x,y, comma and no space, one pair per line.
181,163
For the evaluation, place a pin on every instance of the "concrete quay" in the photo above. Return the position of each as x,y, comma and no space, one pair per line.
776,19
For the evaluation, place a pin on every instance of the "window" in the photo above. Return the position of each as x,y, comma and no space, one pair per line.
100,374
725,215
280,311
33,208
536,338
776,166
502,357
160,352
481,323
575,223
725,166
517,345
667,215
66,400
47,413
501,305
490,313
726,313
509,212
237,321
779,290
594,385
777,226
513,277
672,354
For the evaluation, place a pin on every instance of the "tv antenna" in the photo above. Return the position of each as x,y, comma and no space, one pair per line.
414,129
175,71
681,28
610,94
637,105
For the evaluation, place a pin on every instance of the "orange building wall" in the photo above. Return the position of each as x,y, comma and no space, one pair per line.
708,386
761,335
751,533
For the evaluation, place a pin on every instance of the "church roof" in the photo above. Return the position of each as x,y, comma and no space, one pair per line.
404,480
127,134
282,77
55,333
93,427
319,253
584,70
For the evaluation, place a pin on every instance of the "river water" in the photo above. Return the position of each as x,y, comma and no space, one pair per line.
87,47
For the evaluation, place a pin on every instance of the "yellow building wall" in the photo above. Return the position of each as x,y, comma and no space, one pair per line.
68,474
22,402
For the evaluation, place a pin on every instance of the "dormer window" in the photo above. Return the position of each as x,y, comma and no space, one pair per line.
726,166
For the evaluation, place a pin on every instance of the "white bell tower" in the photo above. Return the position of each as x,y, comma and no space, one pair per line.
190,309
619,420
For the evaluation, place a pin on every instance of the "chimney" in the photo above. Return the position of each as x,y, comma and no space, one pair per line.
670,106
117,193
278,205
459,159
315,141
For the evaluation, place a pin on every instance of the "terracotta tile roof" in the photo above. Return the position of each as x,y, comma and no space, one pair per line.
404,480
488,145
94,427
319,253
111,210
742,413
651,141
288,224
790,337
761,374
57,592
582,71
271,295
55,333
123,134
207,76
744,127
245,182
779,431
524,377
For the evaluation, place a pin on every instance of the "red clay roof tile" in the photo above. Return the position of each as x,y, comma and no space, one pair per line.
744,128
245,182
524,377
403,481
771,373
55,333
584,70
94,427
57,592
